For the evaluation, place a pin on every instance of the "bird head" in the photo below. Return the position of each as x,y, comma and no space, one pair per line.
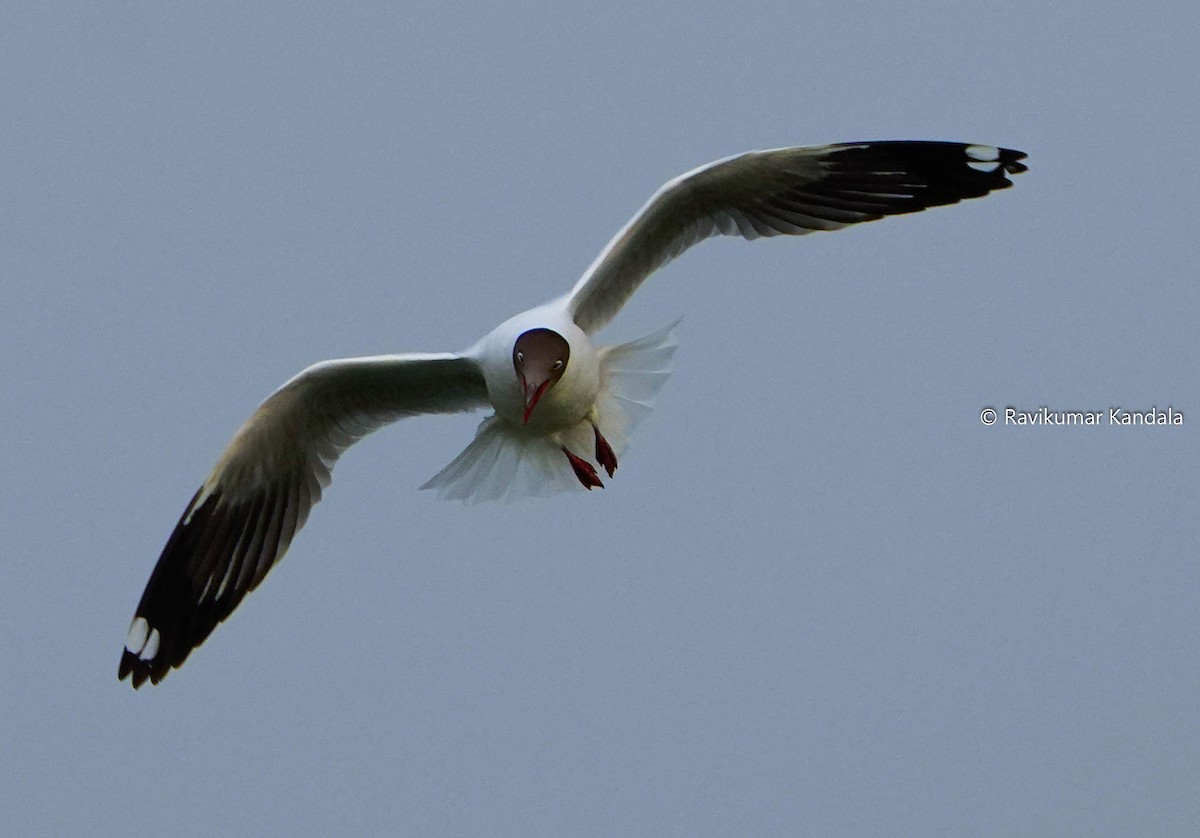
540,358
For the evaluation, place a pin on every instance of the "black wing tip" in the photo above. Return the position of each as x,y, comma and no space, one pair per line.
148,653
161,635
153,668
137,671
1010,159
904,176
223,544
941,153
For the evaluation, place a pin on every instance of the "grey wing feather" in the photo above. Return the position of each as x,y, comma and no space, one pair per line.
787,191
241,521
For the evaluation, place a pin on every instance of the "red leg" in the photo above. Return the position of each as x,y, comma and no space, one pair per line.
584,471
604,453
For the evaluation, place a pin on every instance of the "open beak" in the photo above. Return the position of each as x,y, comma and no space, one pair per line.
532,394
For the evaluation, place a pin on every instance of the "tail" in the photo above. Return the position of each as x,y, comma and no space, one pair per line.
505,462
631,374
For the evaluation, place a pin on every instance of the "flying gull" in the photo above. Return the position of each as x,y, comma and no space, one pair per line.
562,405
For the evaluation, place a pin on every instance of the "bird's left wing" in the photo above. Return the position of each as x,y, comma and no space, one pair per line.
244,516
786,191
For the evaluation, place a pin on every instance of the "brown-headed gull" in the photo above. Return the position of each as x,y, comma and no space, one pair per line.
563,406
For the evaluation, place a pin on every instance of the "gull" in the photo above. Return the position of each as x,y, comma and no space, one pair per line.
562,405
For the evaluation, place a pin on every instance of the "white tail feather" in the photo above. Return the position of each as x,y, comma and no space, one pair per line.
505,462
631,375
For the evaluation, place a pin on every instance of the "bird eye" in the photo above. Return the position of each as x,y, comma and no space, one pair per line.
520,357
558,364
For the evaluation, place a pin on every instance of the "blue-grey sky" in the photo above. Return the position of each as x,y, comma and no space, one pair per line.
820,596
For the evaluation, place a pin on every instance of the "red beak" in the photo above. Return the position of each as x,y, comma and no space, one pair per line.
532,400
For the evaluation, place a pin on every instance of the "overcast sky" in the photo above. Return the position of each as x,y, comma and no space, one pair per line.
820,596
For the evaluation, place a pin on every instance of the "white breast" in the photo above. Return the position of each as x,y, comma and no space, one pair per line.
568,401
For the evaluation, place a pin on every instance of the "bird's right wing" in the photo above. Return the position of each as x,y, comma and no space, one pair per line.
785,191
244,516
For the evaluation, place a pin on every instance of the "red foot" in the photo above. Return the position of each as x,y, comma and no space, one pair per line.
604,453
584,471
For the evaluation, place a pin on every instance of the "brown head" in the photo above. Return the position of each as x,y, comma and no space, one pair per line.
540,358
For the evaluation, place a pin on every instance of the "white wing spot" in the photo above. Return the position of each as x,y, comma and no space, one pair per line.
980,166
986,153
148,653
139,630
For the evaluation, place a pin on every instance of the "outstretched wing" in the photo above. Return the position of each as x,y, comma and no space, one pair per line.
243,518
787,191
